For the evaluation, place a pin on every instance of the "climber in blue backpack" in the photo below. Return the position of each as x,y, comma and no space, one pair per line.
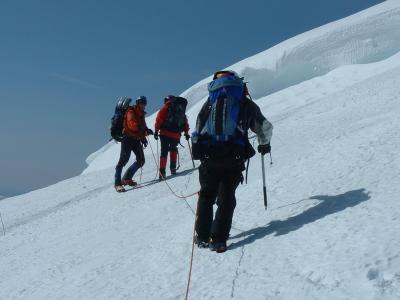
220,142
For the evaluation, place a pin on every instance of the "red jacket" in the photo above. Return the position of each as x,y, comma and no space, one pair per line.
161,118
134,123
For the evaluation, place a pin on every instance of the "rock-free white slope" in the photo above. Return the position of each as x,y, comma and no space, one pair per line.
330,232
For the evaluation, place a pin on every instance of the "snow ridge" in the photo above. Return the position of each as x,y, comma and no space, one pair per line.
366,37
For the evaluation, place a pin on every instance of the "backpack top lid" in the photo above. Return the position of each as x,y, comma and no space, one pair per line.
123,103
179,101
231,85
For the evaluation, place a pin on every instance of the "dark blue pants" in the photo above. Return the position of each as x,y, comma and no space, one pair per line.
129,145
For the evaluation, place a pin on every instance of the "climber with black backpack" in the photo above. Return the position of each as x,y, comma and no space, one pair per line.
117,121
171,121
220,142
128,126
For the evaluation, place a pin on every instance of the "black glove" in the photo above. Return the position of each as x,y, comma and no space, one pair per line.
187,136
156,135
144,143
264,149
149,131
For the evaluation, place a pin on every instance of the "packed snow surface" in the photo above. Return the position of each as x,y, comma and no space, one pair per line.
332,224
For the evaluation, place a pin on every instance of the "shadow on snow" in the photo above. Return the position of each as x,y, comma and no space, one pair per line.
155,181
328,205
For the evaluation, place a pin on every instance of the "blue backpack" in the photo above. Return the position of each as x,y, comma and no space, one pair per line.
225,95
221,133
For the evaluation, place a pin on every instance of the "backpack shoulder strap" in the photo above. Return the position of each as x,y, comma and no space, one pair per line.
203,116
244,112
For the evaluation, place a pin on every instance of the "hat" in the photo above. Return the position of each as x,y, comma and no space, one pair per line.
223,73
169,97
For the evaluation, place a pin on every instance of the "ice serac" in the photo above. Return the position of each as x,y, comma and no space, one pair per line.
368,36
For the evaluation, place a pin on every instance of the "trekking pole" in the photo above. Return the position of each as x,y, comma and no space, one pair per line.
247,169
264,186
158,155
191,155
270,158
179,160
158,163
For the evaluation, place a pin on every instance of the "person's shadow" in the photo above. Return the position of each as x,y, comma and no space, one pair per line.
182,173
155,181
328,205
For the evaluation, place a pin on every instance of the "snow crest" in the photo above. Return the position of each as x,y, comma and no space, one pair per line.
369,36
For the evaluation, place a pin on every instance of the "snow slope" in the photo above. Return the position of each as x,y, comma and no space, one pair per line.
369,36
331,229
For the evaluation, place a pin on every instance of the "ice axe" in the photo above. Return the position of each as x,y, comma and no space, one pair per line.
191,155
264,186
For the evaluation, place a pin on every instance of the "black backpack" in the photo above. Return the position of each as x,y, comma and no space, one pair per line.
175,121
117,121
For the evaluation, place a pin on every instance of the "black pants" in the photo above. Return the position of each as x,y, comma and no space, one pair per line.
127,145
168,144
217,179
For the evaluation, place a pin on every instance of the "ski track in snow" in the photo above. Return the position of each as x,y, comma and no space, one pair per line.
331,228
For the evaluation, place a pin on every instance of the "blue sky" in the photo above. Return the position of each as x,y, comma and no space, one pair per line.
64,63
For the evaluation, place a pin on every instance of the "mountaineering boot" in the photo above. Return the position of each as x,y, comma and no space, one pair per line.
119,188
201,243
219,247
162,175
129,182
173,171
